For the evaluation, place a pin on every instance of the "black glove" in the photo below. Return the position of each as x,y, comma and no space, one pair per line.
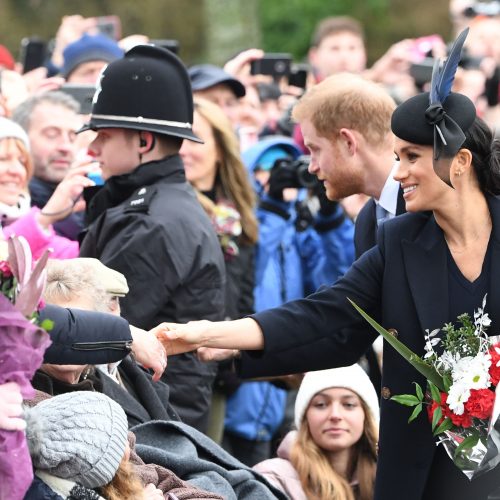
326,206
281,178
304,217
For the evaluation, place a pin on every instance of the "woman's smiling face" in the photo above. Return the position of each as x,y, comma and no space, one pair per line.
13,174
423,189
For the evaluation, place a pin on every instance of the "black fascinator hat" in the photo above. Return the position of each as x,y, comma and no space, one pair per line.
438,118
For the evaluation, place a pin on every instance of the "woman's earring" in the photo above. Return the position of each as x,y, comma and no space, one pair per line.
459,173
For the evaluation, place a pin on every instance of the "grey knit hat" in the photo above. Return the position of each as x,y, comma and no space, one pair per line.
80,436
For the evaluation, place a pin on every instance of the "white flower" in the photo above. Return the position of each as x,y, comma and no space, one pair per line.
447,361
458,395
473,371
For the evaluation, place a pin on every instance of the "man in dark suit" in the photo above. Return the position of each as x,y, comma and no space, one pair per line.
354,144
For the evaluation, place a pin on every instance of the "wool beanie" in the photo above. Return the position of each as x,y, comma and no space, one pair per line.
89,48
351,377
10,129
80,436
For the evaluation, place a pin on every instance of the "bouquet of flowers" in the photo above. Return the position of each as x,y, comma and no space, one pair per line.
463,371
22,344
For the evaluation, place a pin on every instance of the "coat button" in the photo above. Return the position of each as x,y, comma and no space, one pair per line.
393,332
386,392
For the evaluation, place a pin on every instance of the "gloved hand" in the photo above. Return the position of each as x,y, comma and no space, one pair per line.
326,207
281,178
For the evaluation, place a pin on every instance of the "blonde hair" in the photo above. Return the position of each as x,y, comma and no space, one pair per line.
68,280
125,484
11,142
320,480
348,101
232,180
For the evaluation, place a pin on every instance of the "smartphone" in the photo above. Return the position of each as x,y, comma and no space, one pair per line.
298,75
422,72
172,45
277,65
110,26
82,93
33,53
422,47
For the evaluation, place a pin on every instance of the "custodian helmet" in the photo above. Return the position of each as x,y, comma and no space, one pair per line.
148,89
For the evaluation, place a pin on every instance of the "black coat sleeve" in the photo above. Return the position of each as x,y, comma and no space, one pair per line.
85,337
323,330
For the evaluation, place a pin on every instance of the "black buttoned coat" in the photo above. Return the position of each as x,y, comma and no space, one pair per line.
403,284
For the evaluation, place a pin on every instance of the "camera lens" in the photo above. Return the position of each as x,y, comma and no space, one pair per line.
305,179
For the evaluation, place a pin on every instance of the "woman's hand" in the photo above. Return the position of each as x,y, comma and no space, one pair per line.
151,492
178,338
244,334
11,409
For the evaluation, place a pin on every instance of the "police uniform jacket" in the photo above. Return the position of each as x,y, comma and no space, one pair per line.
149,225
403,284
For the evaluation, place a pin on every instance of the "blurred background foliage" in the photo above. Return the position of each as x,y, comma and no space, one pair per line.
214,30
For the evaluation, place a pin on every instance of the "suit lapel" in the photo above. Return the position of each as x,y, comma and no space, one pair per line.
401,205
494,289
365,229
426,265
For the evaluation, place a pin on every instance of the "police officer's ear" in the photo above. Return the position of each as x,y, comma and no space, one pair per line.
146,141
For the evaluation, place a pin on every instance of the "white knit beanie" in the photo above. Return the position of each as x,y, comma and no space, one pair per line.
80,436
347,377
12,130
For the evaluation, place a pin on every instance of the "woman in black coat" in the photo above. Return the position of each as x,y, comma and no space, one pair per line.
428,267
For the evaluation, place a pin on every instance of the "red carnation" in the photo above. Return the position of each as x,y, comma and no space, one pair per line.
433,407
495,364
480,403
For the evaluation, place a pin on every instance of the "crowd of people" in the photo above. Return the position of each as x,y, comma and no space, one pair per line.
192,197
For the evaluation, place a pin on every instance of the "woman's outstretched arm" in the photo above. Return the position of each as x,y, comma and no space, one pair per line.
244,334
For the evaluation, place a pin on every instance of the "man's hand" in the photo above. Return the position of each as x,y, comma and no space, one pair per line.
11,409
66,197
149,351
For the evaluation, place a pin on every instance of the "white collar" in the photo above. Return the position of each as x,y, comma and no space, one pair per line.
389,195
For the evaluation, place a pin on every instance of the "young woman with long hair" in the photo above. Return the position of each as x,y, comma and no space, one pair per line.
332,455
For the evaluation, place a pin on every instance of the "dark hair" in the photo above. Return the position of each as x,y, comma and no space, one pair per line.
485,150
334,25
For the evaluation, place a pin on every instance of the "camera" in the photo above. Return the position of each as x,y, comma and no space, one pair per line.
298,75
276,65
169,44
298,173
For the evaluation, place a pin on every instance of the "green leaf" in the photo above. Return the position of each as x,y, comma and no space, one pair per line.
406,399
445,425
448,382
427,371
420,392
435,394
416,412
467,444
438,415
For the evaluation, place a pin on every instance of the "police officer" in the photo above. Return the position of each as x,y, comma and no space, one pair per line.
146,222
